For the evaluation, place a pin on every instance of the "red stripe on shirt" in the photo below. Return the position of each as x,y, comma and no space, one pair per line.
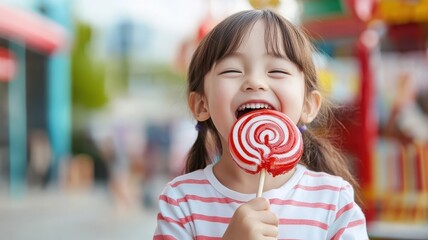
303,204
308,222
226,220
340,232
180,222
168,200
319,174
345,208
190,181
207,238
356,223
318,188
208,199
193,217
184,199
210,218
163,237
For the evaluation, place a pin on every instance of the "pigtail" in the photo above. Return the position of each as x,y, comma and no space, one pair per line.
321,155
197,152
201,153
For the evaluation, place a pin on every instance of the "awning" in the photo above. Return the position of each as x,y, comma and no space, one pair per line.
36,31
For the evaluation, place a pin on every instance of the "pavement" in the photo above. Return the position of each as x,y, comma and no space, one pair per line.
93,215
85,215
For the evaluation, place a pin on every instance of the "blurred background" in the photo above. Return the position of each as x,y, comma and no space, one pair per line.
94,121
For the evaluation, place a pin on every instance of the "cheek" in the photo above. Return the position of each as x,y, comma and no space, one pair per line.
222,121
220,94
218,99
294,112
292,104
219,104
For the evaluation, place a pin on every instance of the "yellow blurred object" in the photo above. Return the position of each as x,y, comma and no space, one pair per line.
259,4
326,79
400,12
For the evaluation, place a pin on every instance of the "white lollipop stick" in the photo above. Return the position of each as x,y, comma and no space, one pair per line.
261,182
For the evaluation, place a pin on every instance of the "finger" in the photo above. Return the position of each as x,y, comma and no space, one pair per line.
269,217
259,204
270,238
270,231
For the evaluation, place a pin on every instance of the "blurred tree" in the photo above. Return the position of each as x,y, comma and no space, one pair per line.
88,95
88,75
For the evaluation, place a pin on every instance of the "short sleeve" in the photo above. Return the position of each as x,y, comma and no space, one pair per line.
171,220
349,221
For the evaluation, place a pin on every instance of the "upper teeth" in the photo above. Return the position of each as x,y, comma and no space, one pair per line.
253,106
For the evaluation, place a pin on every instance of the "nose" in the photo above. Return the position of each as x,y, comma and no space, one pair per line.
254,83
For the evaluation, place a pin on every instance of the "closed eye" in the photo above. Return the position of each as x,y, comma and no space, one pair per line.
279,71
233,71
278,74
230,71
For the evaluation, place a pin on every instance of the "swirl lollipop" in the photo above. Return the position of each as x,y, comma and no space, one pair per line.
265,140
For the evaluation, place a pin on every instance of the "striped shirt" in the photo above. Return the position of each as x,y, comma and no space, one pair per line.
311,205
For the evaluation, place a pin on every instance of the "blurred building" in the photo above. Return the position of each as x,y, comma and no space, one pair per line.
35,109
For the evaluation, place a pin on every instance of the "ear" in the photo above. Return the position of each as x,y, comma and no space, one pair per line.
199,106
311,107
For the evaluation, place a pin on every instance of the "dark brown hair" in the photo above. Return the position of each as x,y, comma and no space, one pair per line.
319,153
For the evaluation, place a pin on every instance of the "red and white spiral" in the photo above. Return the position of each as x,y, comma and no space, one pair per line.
266,139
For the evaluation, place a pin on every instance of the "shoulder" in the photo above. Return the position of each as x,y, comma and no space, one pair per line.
324,179
188,178
182,185
175,213
320,184
347,219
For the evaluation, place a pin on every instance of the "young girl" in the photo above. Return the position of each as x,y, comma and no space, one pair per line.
257,59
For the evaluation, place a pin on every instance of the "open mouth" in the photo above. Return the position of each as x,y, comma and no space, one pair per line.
249,107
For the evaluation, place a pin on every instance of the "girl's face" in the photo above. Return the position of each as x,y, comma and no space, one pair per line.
252,78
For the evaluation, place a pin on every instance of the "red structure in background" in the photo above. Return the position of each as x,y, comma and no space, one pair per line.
36,31
363,138
361,128
7,65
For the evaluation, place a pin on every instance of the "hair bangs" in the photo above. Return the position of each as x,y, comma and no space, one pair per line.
282,40
274,41
229,38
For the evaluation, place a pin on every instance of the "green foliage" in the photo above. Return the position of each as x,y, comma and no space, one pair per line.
88,75
159,74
